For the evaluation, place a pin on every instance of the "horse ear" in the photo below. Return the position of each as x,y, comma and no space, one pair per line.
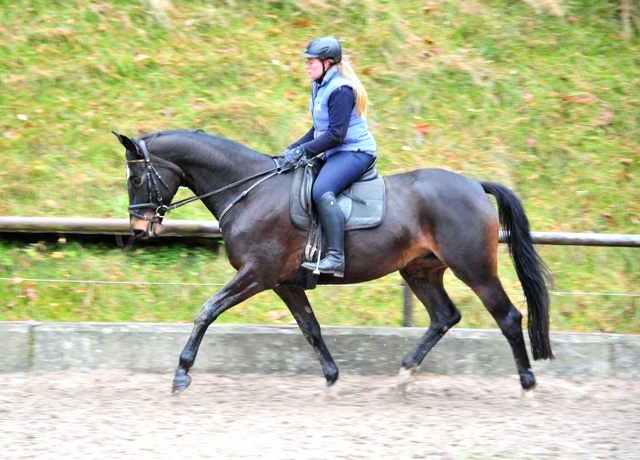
127,143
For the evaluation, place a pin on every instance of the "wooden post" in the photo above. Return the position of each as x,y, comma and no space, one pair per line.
407,318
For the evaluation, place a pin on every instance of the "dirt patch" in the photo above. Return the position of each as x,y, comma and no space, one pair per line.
119,415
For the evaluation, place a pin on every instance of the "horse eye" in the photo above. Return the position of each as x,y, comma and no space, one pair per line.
136,181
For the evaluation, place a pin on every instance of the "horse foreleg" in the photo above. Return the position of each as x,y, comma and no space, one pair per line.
426,283
298,304
240,288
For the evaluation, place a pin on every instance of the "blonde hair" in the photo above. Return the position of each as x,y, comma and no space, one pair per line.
362,100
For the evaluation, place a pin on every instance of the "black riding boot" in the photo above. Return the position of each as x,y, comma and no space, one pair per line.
332,221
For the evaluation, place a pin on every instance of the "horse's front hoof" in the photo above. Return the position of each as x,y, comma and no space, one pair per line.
330,394
181,383
405,379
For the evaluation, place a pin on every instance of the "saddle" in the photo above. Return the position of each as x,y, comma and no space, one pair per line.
363,203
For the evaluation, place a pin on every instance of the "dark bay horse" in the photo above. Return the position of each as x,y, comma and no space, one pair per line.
435,220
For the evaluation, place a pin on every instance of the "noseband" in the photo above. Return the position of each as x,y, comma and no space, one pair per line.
152,174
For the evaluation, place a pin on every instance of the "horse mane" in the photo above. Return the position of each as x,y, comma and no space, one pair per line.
211,140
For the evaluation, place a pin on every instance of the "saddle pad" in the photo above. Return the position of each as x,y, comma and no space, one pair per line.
365,210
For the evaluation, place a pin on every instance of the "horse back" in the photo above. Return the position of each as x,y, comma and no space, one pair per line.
439,208
438,191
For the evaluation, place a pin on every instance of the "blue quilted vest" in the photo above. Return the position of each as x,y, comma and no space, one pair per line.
358,137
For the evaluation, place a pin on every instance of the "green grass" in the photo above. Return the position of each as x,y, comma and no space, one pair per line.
546,105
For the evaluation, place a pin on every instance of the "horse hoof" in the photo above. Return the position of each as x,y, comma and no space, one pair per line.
405,379
528,397
330,394
180,384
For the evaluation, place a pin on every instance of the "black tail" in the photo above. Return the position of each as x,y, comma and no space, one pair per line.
532,272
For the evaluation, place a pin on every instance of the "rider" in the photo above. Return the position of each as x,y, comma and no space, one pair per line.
338,108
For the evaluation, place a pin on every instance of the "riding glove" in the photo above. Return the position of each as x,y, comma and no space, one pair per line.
291,157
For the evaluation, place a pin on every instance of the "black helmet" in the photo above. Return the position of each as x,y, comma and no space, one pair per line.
324,48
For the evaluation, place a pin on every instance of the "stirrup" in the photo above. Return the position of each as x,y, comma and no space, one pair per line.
315,268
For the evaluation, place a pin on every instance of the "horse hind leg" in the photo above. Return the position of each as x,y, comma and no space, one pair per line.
424,277
509,319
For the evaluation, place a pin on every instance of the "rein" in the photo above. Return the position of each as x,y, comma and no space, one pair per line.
163,210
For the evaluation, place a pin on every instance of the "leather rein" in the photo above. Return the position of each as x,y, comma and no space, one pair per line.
162,210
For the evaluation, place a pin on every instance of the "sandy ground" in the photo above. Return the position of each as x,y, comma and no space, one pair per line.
119,415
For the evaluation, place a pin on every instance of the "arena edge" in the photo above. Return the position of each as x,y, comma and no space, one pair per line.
259,349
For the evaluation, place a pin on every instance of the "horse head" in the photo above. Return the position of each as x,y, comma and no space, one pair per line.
152,182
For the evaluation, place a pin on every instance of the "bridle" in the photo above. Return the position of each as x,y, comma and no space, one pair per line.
162,210
152,174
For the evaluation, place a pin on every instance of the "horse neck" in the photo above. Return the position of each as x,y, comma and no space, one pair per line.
210,163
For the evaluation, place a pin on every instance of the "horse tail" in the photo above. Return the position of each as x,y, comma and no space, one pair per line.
532,272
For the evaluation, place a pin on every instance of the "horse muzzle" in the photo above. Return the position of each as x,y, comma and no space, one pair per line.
143,229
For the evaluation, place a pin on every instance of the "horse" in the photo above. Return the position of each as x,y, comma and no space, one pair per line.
435,220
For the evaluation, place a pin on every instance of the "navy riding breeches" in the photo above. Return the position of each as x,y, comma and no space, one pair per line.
339,171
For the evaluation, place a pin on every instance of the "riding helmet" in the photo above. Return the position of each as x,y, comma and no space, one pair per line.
324,48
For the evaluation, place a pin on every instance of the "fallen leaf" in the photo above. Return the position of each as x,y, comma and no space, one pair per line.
572,19
57,255
274,315
626,160
22,117
301,23
140,57
584,98
606,118
289,96
30,292
531,141
420,129
196,105
430,6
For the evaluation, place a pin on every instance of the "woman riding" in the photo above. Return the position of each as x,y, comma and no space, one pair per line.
340,133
